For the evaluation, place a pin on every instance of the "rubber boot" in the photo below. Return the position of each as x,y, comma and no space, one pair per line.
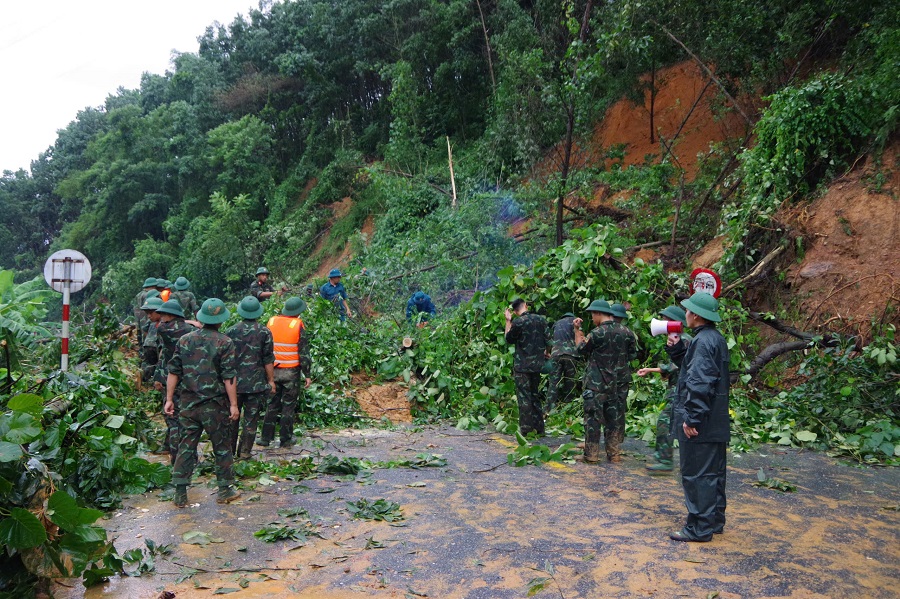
591,452
227,494
180,499
660,466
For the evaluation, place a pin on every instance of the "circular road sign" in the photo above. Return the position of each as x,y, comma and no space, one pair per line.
67,266
707,281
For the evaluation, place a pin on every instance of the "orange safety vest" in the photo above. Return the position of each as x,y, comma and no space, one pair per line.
165,294
286,331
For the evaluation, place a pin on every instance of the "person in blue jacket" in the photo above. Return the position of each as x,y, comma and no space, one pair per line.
334,292
419,308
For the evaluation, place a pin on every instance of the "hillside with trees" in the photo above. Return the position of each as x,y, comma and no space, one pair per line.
478,150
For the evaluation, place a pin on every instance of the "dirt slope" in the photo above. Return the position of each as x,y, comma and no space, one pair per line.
851,268
679,87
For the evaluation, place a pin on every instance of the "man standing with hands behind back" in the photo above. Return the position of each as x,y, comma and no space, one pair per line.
530,333
702,421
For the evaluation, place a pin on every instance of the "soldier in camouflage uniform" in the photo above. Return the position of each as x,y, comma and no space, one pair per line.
676,346
623,372
185,297
149,351
609,348
530,333
563,383
260,288
170,329
255,372
292,367
140,319
205,367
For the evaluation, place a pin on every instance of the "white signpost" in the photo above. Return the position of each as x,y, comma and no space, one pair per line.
67,271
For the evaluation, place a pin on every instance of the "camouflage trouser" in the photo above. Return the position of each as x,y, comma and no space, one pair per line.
283,405
562,386
173,429
528,395
604,411
210,416
664,450
251,406
149,358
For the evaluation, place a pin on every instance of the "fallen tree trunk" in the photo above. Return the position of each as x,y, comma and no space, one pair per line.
768,354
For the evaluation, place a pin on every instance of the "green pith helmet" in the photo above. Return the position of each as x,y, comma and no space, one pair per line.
213,311
674,313
160,282
171,307
168,284
152,304
601,306
150,282
703,305
250,308
618,310
152,293
293,306
181,283
334,272
262,270
568,315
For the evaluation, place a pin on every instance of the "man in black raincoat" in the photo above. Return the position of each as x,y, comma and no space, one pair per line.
702,421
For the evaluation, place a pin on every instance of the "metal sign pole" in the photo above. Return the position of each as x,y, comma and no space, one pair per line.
67,282
66,271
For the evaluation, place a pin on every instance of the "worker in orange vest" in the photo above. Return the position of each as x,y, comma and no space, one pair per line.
166,294
292,364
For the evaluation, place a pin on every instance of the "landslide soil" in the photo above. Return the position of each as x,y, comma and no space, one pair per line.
478,528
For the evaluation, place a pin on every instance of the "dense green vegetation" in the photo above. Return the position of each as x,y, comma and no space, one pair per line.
231,160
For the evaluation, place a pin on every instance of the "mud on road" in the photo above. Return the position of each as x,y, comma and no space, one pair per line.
478,528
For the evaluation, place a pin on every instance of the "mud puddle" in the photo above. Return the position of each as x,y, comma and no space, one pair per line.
477,528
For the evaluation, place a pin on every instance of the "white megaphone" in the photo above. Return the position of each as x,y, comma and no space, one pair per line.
664,327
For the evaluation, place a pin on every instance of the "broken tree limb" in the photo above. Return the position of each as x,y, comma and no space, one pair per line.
431,267
757,270
769,320
768,354
452,177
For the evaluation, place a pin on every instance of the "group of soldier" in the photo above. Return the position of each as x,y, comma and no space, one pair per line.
696,411
211,379
223,382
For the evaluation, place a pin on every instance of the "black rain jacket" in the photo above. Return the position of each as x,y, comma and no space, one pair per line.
702,396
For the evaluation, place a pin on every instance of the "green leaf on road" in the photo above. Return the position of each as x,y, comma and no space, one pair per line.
63,510
22,530
10,452
28,403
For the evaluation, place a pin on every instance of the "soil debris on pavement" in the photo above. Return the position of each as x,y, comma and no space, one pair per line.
476,528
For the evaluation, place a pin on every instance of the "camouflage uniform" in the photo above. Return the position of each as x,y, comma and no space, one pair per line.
167,336
254,350
290,385
203,361
530,333
149,352
256,288
140,318
608,349
664,433
188,302
562,386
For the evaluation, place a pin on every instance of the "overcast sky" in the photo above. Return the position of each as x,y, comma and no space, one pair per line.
59,56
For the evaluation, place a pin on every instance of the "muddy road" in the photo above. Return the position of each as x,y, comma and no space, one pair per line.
477,528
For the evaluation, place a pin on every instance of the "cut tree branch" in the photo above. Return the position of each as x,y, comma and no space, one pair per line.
758,270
